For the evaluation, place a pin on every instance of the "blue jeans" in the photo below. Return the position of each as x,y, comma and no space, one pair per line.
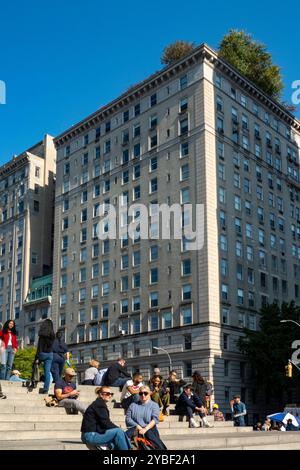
57,366
120,382
115,438
46,358
240,421
7,360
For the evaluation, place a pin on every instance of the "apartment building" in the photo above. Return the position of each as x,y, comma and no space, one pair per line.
26,226
196,132
36,308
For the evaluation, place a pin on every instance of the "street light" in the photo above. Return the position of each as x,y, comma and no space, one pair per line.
162,349
293,321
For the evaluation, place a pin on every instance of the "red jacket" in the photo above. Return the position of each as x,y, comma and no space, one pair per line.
5,338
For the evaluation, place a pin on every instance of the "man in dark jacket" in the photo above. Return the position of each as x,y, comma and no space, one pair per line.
188,404
97,430
116,375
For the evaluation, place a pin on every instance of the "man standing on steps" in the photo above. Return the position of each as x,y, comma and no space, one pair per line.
66,393
239,411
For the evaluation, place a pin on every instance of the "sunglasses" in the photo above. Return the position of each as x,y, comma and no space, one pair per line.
143,394
110,394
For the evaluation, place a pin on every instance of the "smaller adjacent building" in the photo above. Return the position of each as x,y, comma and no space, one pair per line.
37,307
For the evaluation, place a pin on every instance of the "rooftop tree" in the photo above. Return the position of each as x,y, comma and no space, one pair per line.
176,51
251,58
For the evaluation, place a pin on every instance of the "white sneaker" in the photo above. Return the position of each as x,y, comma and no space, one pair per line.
206,423
194,424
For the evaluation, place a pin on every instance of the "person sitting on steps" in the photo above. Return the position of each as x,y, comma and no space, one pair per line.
97,430
66,393
189,404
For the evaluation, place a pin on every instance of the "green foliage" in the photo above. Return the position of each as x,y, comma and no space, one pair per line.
23,361
251,58
176,51
269,349
72,363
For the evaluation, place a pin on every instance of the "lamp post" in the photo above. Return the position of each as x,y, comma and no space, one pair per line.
162,349
293,321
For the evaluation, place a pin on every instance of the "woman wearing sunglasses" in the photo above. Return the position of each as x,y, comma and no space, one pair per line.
97,430
143,417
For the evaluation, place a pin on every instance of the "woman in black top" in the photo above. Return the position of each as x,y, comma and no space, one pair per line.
59,350
45,350
97,429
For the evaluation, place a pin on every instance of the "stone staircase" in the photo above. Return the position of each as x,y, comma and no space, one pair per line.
27,423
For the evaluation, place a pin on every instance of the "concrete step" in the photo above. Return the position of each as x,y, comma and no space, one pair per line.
222,441
164,428
281,441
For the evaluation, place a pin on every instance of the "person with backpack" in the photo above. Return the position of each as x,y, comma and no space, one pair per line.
116,375
142,419
44,351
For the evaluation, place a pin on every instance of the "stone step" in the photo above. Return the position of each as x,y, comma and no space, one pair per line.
54,414
167,428
280,441
222,441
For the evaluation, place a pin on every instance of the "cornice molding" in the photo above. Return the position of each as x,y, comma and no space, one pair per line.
198,55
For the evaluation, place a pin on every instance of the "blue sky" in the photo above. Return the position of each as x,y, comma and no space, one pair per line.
61,60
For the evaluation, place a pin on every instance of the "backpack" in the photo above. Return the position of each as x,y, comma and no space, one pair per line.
98,380
141,443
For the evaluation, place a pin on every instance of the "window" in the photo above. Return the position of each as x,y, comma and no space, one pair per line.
154,322
185,172
36,206
187,341
186,267
37,171
153,100
240,296
124,306
186,292
126,115
221,171
153,275
136,280
223,242
184,149
183,82
183,105
224,289
184,126
167,320
225,315
137,109
225,341
153,185
186,315
153,299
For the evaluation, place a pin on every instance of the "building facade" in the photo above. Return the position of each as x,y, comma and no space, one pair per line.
36,308
197,132
26,228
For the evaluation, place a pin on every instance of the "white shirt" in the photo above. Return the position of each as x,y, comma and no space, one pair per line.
125,392
9,339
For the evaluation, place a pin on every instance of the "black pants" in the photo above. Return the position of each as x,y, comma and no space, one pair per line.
152,435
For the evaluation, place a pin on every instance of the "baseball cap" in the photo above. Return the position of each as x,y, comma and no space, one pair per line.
16,372
237,396
216,406
70,371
